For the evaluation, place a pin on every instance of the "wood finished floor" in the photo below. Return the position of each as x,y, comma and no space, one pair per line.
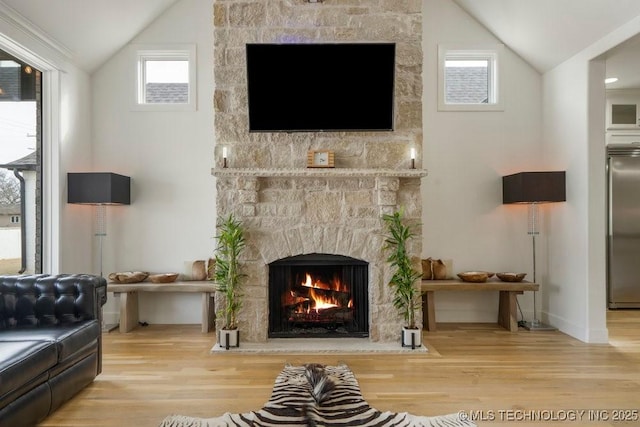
160,370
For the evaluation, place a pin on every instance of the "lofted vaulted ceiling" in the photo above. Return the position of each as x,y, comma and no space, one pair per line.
543,32
547,32
90,30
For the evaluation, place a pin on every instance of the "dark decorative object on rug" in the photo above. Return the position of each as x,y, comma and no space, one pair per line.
318,395
406,295
228,277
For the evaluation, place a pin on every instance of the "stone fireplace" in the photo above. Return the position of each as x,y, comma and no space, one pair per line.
289,210
292,212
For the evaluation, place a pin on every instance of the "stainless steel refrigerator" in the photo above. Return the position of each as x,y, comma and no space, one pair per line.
623,243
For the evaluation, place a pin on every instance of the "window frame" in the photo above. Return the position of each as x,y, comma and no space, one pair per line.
493,54
143,53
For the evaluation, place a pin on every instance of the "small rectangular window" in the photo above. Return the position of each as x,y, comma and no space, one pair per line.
469,79
15,219
165,79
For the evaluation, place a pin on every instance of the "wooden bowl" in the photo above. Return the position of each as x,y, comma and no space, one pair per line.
511,277
128,277
163,277
474,276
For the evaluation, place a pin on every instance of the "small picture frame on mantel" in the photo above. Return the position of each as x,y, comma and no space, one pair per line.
320,159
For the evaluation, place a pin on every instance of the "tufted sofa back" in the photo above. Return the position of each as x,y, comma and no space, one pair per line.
47,300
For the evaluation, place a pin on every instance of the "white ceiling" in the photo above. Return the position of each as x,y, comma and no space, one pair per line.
623,62
92,30
543,32
547,32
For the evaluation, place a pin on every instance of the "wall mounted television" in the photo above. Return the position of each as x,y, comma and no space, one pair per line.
320,87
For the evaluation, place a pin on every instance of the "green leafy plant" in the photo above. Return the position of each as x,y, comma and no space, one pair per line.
407,296
227,275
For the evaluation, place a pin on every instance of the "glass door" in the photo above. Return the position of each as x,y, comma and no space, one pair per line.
20,167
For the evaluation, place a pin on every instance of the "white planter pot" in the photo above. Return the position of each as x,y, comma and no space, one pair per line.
411,337
229,338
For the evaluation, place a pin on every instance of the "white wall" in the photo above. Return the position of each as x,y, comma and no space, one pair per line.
169,156
574,136
466,154
566,101
76,234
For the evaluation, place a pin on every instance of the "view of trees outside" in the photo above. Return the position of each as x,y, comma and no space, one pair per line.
9,188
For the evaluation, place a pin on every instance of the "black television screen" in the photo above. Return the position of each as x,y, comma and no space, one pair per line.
320,87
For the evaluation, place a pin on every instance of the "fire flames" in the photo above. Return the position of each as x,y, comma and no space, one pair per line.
324,300
335,285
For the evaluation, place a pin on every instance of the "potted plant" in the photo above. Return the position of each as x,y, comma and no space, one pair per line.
406,295
228,277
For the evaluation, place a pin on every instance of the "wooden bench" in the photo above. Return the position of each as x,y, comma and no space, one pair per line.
129,299
507,315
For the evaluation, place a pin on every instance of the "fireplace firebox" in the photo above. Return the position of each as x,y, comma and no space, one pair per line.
318,295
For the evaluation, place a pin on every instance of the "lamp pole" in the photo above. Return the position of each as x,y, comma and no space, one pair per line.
533,230
101,229
535,324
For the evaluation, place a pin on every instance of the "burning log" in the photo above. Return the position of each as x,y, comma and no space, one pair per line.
293,298
315,298
316,302
334,315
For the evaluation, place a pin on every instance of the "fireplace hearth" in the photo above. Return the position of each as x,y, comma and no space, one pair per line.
318,295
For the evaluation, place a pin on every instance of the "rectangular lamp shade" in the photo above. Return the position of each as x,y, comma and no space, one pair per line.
98,188
534,187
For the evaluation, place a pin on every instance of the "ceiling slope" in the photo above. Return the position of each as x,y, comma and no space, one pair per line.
543,32
548,32
91,30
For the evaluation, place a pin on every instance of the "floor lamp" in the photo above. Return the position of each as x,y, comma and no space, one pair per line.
534,188
99,189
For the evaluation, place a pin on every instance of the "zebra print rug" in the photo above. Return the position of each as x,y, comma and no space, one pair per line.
317,395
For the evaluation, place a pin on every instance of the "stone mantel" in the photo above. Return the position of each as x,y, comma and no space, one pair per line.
318,173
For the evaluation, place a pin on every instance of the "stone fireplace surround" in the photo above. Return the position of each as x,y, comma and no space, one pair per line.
329,211
289,210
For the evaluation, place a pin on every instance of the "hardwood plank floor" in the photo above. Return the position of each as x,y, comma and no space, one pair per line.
160,370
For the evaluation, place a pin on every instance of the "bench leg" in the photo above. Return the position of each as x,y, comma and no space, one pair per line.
128,311
428,311
208,312
507,315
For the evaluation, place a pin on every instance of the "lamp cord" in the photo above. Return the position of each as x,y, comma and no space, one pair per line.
520,310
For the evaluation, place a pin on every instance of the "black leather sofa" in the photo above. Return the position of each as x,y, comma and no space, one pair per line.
50,342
